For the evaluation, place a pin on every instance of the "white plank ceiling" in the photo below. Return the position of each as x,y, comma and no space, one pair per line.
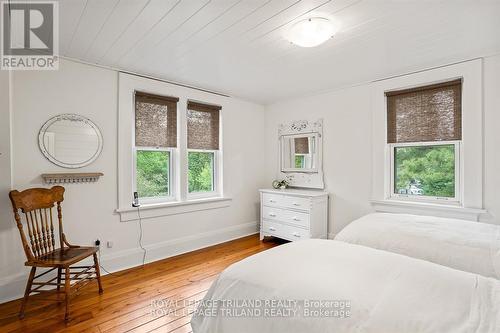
238,47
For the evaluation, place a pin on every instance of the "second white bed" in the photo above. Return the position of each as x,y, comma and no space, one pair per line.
465,245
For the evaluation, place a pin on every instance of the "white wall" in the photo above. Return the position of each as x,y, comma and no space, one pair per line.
88,209
8,229
346,147
491,106
347,115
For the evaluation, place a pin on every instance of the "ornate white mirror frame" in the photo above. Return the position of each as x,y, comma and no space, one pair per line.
306,179
50,155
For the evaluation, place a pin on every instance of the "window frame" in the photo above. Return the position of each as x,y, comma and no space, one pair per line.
128,85
215,175
472,146
171,175
456,200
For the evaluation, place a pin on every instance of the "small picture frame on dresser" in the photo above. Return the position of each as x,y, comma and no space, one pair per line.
293,214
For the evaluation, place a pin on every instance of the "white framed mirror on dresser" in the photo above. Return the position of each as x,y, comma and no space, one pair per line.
301,211
301,153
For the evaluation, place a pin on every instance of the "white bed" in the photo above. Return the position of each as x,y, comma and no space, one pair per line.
387,292
465,245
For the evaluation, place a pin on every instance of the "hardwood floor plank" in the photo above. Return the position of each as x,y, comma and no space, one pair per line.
173,277
183,329
82,319
126,305
162,324
147,316
168,327
183,260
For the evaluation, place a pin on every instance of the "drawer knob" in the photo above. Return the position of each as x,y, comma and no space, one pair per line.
272,228
296,204
295,218
272,214
296,234
271,200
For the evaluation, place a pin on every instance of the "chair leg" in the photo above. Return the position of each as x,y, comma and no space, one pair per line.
59,272
98,273
67,281
27,292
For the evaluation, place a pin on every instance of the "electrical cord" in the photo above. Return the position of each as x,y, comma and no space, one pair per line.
100,265
135,204
140,242
140,236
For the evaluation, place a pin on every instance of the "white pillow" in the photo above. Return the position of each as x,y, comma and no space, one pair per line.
465,245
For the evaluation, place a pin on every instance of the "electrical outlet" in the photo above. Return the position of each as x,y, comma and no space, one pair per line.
109,244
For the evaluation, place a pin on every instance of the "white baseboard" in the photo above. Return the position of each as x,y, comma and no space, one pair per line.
331,235
12,287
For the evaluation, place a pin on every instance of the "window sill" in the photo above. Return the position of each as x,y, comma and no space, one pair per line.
171,208
425,208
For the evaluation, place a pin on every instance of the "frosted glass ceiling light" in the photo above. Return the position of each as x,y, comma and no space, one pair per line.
311,32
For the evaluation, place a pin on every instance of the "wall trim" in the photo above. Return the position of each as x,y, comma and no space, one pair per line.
171,208
12,287
421,208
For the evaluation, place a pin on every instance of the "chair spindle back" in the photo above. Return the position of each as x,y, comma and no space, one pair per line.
36,205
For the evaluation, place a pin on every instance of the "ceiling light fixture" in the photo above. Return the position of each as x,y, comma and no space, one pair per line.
311,32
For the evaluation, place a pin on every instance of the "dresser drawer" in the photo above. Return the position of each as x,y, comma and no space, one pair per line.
288,216
286,201
274,200
285,231
295,233
297,202
273,228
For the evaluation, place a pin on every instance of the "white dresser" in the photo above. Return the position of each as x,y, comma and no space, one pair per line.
293,214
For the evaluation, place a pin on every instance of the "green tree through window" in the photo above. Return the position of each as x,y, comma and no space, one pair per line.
152,173
299,161
425,170
200,171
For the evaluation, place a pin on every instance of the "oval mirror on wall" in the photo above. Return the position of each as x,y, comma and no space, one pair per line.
70,141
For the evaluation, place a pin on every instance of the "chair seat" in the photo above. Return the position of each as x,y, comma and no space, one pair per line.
64,257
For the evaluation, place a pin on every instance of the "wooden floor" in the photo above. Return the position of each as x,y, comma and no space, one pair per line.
129,296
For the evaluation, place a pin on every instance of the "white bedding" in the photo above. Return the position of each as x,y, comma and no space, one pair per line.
465,245
388,293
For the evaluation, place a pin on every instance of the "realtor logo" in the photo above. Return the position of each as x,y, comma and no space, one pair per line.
30,36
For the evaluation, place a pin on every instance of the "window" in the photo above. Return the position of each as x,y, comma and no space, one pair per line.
153,154
428,170
300,160
201,171
424,132
153,173
155,142
203,148
301,151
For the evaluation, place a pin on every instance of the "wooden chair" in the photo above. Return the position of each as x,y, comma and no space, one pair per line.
39,245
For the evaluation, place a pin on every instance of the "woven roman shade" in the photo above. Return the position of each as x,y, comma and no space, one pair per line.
429,113
155,120
302,145
203,126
